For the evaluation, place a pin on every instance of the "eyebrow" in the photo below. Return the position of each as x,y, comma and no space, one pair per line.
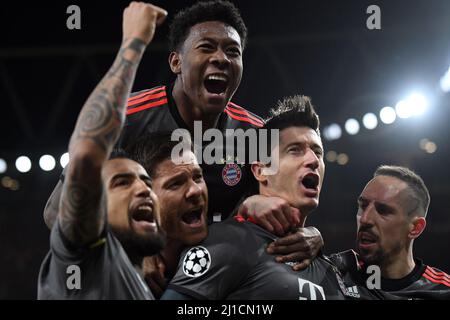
230,40
122,175
302,143
377,203
174,177
128,175
182,174
146,178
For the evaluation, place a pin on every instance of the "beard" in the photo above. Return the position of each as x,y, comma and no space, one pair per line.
136,245
371,258
379,257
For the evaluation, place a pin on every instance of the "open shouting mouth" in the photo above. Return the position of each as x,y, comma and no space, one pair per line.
216,83
142,214
194,217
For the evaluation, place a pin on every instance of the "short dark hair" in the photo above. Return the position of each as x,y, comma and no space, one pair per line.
419,190
203,11
118,153
293,111
151,149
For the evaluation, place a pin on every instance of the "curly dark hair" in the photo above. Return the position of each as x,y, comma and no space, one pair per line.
218,10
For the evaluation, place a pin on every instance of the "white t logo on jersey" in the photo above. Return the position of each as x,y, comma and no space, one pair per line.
305,287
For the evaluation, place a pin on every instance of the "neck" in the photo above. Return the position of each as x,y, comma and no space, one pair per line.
189,112
399,266
171,255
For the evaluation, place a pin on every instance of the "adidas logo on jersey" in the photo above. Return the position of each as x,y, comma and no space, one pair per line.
353,292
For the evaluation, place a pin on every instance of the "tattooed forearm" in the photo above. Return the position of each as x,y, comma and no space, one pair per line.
83,227
97,129
102,116
100,122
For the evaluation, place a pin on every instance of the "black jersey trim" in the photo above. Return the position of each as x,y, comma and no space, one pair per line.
399,284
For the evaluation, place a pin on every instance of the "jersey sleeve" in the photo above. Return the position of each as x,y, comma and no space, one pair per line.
216,267
65,263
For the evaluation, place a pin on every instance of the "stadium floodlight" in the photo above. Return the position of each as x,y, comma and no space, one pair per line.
332,132
3,166
23,164
342,159
331,156
423,142
64,160
387,115
47,162
445,81
414,105
352,126
370,121
403,109
427,146
430,147
417,103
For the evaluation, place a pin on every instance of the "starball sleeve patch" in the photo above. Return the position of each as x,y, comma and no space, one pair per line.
196,262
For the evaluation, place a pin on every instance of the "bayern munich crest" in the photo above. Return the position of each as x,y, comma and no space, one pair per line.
196,262
231,174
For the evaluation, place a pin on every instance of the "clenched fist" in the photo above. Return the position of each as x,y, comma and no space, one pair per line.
140,21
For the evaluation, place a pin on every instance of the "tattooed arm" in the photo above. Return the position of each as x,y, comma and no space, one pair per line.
98,127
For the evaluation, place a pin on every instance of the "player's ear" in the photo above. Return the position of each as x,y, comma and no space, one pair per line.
258,171
417,225
175,62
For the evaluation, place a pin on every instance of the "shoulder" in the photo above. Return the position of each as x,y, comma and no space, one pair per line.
225,251
147,99
345,260
230,230
147,111
243,116
436,276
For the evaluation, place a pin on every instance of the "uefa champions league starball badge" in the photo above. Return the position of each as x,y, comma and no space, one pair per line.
196,262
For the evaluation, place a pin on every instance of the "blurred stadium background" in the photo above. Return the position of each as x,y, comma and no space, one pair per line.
317,48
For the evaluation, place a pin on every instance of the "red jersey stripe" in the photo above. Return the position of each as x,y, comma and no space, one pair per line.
433,279
146,92
243,119
146,106
438,273
234,105
147,98
436,277
245,113
240,218
446,283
